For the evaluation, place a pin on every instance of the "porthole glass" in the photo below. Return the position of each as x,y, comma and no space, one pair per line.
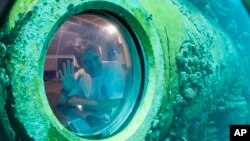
93,75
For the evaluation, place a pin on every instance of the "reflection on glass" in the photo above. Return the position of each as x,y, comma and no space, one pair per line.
95,89
89,76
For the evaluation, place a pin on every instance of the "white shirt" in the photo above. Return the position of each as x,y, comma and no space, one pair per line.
109,84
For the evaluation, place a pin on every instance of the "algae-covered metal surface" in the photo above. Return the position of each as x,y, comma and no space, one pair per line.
188,59
26,60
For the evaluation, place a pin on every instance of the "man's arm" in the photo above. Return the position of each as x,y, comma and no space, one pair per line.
80,101
98,105
105,105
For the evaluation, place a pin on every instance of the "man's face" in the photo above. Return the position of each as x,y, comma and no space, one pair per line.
91,63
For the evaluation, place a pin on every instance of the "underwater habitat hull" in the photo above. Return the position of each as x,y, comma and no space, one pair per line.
188,61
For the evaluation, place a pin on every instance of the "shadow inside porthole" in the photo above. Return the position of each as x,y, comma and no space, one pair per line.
92,75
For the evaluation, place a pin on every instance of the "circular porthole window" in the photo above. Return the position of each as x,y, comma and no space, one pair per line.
93,75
